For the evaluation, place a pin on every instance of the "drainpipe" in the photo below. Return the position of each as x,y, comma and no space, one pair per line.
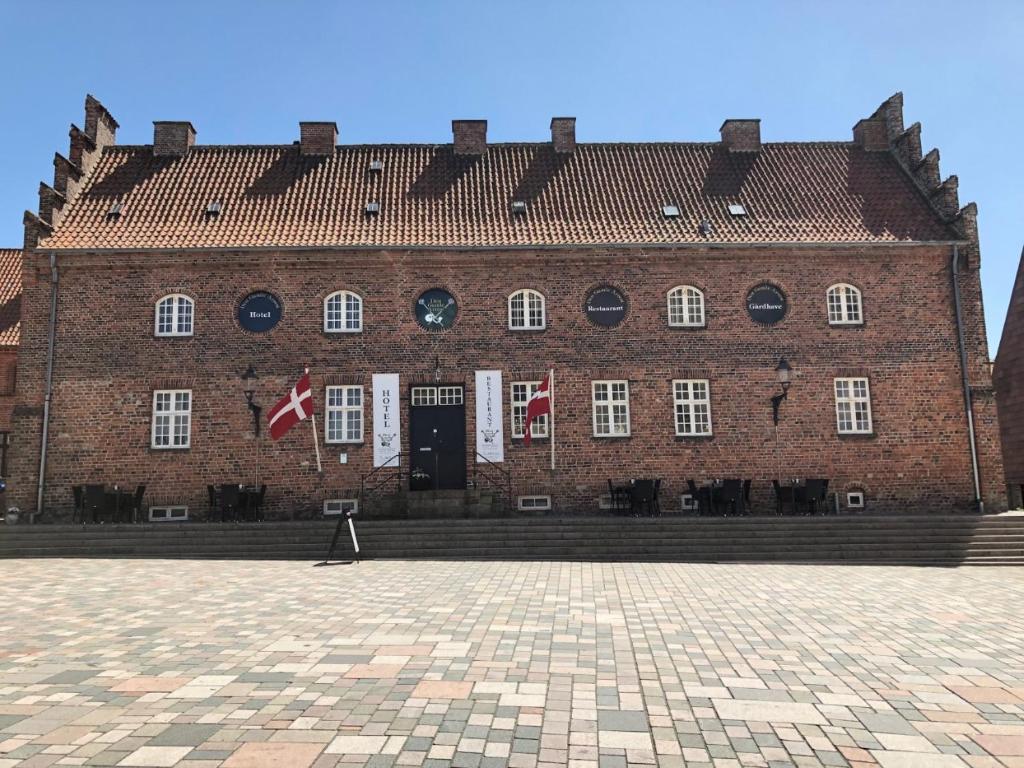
968,406
54,279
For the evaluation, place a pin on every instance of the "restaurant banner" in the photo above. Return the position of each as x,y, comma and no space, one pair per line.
387,436
490,439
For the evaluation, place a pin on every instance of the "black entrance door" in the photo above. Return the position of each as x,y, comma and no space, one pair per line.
437,437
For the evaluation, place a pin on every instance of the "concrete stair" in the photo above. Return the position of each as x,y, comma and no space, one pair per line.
920,540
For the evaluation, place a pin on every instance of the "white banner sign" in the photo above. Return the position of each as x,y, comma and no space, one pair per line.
387,434
490,438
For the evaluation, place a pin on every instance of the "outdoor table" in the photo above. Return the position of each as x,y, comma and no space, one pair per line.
118,500
248,499
792,488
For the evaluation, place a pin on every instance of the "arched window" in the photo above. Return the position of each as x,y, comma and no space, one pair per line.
343,313
174,316
526,311
844,305
685,307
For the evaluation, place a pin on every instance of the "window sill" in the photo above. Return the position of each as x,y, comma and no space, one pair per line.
522,440
169,449
694,438
857,435
687,327
527,330
350,443
611,437
845,325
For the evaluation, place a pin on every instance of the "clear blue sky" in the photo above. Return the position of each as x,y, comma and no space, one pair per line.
248,71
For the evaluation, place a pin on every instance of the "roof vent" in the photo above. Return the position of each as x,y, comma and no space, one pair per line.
705,228
519,207
213,209
376,166
670,211
737,209
115,210
372,208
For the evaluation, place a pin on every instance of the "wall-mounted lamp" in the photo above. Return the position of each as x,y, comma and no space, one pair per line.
247,378
783,375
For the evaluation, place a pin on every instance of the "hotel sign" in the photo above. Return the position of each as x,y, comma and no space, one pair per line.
766,304
387,434
259,312
606,306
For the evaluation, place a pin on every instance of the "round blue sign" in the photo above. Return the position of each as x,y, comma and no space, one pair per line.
259,312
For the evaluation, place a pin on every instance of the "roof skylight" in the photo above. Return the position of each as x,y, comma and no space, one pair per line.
213,208
519,207
737,209
670,211
115,210
372,208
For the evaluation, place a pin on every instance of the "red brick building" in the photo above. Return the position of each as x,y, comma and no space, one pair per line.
10,330
661,282
1009,381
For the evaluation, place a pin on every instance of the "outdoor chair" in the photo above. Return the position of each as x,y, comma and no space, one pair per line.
95,502
229,498
730,496
643,496
746,496
783,495
257,510
620,498
815,492
136,510
657,497
78,513
211,492
701,497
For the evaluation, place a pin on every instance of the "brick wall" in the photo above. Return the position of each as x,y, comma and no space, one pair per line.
1009,379
108,363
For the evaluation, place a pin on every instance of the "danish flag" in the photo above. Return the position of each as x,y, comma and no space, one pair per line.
538,405
294,407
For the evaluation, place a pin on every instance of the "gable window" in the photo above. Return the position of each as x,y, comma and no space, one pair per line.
344,422
853,406
611,408
844,305
685,307
526,311
522,391
693,407
174,316
343,313
172,418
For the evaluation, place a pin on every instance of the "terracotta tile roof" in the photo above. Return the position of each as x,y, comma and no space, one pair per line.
601,193
10,297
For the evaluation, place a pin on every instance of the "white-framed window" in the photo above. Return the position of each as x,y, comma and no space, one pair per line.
693,407
522,391
853,406
344,414
167,514
449,395
172,418
685,307
343,313
844,305
855,499
611,408
526,311
174,316
533,503
340,506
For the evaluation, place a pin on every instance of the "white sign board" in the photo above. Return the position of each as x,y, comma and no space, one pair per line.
490,438
387,434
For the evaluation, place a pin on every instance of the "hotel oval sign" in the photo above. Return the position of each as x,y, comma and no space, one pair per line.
259,312
606,306
766,304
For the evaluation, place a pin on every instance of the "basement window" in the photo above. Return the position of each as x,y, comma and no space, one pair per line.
855,499
688,503
334,507
670,211
372,209
533,503
737,209
168,514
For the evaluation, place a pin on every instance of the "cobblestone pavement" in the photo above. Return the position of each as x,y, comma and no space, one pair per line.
250,664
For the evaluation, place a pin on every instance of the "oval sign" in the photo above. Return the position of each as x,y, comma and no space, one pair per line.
606,306
436,310
259,312
766,304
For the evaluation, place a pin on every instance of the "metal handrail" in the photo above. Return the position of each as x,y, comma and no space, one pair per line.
394,472
505,474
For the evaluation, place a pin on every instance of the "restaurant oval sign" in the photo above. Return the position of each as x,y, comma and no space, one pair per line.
259,312
766,304
606,306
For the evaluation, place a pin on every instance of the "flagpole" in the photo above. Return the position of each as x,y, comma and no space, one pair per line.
551,414
316,437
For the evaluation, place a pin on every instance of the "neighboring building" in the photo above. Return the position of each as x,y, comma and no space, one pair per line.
662,282
10,330
1009,381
